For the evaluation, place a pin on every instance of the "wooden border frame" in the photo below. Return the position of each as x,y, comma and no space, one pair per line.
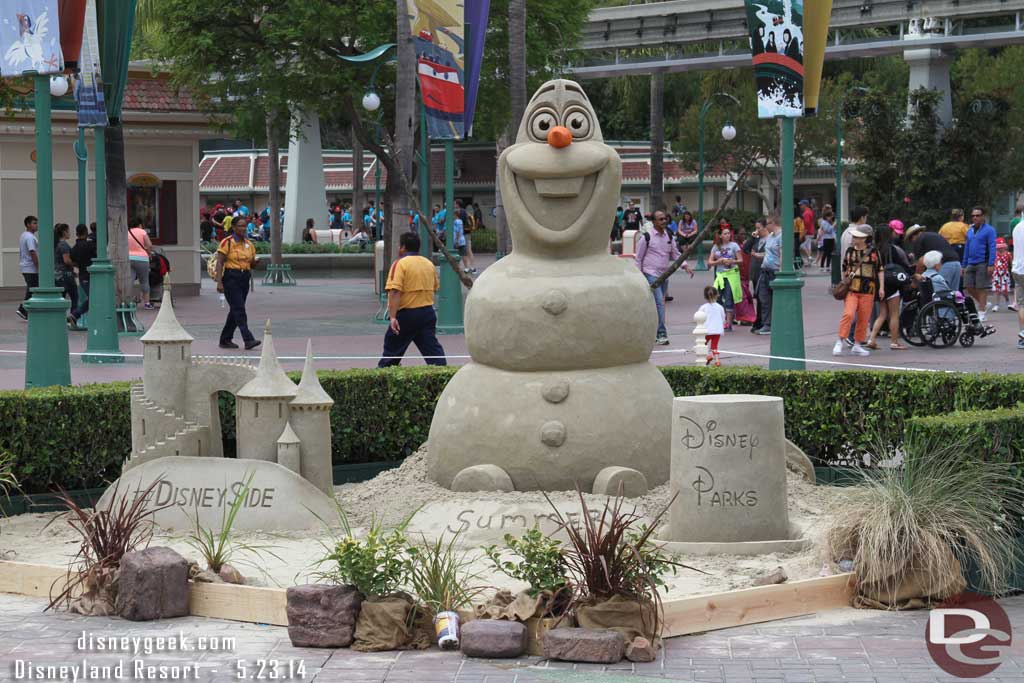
684,616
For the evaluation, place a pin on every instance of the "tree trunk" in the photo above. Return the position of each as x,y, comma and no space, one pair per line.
657,141
358,171
274,182
517,97
117,213
397,218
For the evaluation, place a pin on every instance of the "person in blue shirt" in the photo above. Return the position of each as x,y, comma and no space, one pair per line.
265,219
770,265
979,259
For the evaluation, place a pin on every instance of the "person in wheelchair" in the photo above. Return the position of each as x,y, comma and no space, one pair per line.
965,308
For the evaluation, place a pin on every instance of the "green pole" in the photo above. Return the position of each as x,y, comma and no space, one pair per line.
82,156
426,244
700,193
47,361
449,311
837,257
102,345
787,304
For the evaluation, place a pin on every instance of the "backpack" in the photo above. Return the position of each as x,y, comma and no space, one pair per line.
469,224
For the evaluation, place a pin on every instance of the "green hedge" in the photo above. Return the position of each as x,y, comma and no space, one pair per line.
78,437
263,248
988,435
484,241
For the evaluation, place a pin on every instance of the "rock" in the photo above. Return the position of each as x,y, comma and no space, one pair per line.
482,478
609,481
231,575
493,639
153,584
777,576
584,645
641,650
322,615
200,575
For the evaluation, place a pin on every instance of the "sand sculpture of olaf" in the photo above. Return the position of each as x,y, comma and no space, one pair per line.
560,391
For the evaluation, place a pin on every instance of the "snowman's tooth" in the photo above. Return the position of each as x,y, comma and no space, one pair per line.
558,187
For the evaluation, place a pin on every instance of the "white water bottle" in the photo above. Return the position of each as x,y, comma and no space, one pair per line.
223,301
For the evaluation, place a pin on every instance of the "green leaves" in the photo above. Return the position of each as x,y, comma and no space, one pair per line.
539,561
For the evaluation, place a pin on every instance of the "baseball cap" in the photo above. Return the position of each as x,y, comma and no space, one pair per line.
860,231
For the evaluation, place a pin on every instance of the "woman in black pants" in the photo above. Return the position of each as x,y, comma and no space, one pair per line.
827,230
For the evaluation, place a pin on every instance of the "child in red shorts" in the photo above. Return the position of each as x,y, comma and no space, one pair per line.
714,324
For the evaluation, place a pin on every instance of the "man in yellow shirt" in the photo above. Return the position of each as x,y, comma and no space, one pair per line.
236,256
955,231
411,284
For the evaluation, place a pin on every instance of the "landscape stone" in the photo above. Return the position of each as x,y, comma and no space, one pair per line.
231,575
322,615
729,473
153,584
778,575
493,639
611,481
592,646
529,403
641,650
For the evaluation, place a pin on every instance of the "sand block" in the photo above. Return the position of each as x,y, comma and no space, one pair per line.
190,486
153,584
585,645
729,468
322,615
493,639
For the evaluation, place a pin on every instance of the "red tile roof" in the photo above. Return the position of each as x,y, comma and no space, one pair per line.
156,95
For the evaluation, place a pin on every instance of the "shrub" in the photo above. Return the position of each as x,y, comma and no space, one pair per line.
484,241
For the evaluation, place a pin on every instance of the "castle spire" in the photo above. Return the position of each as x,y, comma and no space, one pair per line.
310,393
270,380
166,329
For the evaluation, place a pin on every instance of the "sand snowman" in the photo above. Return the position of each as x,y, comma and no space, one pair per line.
560,391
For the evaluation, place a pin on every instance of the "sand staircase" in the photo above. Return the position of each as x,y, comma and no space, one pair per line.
162,432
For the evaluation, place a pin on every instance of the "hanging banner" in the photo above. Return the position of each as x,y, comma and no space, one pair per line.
437,33
92,111
30,38
817,14
777,46
476,33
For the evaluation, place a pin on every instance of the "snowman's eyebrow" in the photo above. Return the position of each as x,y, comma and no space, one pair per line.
576,89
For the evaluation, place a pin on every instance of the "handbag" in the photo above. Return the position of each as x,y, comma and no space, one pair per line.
841,289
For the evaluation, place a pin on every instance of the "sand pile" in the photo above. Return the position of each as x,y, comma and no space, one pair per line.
394,495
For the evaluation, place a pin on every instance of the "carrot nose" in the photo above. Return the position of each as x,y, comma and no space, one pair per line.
559,136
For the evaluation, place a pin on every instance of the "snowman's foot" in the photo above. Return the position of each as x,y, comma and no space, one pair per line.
625,481
483,478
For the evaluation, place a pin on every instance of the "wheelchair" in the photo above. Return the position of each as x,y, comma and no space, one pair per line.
941,320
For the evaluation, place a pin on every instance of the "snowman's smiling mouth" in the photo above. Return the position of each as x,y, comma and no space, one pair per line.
556,203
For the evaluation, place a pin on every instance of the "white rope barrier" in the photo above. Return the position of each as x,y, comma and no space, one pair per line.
377,357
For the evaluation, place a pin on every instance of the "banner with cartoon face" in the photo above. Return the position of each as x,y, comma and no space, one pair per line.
29,38
777,46
438,34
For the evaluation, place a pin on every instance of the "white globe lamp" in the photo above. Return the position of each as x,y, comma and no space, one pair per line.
371,101
58,86
728,132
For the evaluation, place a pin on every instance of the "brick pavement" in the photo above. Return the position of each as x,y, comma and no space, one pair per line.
337,314
842,645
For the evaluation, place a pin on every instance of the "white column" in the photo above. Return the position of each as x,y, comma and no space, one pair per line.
929,67
305,190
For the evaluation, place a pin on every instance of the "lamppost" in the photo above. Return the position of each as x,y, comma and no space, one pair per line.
47,362
728,134
371,103
836,256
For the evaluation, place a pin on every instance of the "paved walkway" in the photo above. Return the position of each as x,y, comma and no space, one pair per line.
842,645
337,314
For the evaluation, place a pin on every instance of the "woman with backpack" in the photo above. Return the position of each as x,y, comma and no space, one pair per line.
897,273
140,248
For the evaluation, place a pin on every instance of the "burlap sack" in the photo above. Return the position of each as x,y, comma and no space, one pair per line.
913,588
392,623
621,614
503,605
99,594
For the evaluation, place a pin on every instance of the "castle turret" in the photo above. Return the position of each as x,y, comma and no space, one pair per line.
167,356
311,420
261,409
289,450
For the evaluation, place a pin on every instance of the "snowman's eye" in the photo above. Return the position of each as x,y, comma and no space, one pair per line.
541,122
577,120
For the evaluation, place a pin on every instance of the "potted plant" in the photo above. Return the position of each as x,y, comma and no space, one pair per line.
535,559
376,566
910,529
616,570
440,577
